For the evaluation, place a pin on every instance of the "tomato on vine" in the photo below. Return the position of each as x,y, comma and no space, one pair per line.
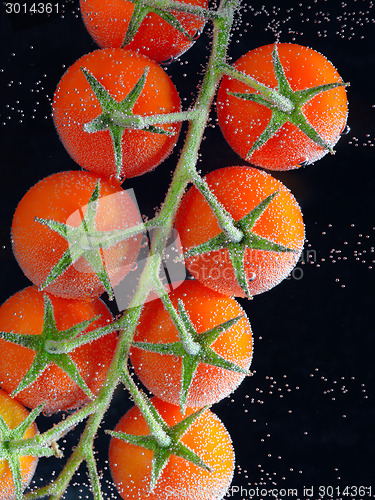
29,322
273,138
197,465
55,233
94,107
152,31
221,333
16,469
270,223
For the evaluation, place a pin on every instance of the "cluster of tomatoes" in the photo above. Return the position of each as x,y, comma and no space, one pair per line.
102,110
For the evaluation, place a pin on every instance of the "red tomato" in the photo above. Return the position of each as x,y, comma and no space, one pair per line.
63,197
75,105
240,190
23,313
161,373
107,22
14,414
243,121
207,437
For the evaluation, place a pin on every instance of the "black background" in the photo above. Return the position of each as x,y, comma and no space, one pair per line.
306,417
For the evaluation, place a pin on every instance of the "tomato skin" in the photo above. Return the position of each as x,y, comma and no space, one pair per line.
62,197
242,122
23,313
161,374
75,104
107,22
207,437
13,414
240,189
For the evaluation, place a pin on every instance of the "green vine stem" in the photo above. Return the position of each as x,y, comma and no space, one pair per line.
170,5
139,122
163,222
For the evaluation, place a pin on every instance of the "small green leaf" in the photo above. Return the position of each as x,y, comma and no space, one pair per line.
186,319
189,367
216,243
282,82
15,468
207,338
69,367
39,364
56,226
253,97
247,222
116,136
184,452
30,341
305,95
25,424
136,91
159,461
63,264
210,357
237,256
139,13
278,119
106,101
148,442
173,21
179,429
94,258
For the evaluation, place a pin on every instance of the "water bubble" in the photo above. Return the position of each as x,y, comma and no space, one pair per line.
346,130
196,35
167,62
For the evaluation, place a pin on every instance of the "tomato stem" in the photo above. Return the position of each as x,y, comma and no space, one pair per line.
271,95
139,399
186,339
142,122
172,5
224,218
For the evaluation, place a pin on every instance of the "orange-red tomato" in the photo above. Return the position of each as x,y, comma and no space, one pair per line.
161,373
240,190
207,437
63,197
107,22
75,105
23,314
13,414
242,121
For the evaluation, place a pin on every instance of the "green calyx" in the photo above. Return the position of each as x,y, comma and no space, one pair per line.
43,357
117,116
249,240
80,244
203,354
11,448
163,453
141,9
295,115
